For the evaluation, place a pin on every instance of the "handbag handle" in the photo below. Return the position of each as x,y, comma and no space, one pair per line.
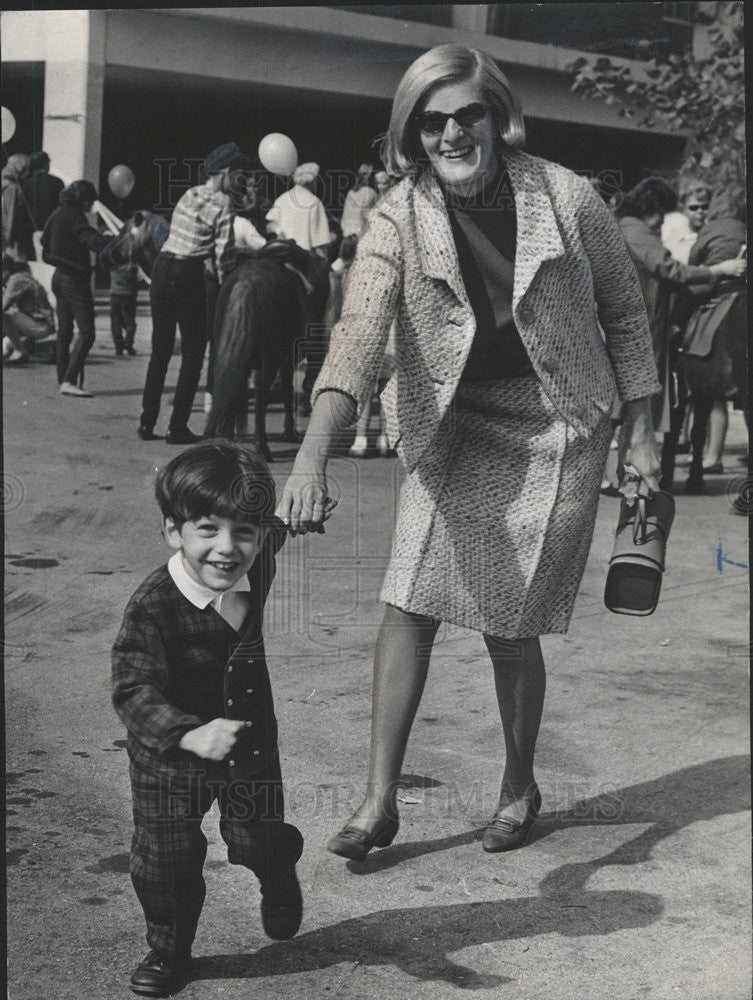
640,524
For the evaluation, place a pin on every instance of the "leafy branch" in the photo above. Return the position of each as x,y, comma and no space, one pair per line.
701,95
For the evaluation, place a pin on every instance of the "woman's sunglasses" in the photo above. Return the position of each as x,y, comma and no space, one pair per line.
435,122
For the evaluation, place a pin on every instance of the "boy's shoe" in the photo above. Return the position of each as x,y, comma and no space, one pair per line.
281,905
131,351
154,977
146,433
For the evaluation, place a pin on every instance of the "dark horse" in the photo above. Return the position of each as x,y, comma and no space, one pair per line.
261,312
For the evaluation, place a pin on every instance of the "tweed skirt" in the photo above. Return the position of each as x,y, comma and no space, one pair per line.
494,524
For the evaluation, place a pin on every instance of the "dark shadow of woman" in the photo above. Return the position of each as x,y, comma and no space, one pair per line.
419,940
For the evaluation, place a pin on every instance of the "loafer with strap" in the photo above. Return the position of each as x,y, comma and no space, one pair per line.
505,833
355,844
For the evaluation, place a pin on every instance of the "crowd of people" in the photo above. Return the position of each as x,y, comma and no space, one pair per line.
502,307
687,243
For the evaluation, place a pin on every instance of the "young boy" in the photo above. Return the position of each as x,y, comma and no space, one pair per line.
124,282
190,683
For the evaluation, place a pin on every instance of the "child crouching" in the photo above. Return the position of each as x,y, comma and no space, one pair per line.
190,683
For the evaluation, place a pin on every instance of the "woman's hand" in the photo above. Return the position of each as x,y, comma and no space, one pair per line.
733,268
305,505
639,453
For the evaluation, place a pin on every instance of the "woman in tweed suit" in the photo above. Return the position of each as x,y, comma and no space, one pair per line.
502,270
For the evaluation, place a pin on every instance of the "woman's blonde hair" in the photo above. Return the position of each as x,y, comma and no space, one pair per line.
692,187
401,150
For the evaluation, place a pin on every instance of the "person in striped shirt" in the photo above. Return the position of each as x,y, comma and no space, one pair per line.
201,228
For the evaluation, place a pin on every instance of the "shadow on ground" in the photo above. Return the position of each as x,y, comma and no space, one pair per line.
418,940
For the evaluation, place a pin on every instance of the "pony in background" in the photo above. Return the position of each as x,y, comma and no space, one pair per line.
261,313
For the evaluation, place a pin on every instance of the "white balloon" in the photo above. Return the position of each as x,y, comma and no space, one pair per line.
278,154
9,125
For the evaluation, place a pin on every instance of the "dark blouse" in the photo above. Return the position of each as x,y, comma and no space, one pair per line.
67,239
485,230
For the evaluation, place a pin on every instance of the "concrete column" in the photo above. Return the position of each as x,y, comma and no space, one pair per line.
470,17
73,92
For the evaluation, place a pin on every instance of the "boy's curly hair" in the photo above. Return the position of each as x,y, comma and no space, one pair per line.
216,478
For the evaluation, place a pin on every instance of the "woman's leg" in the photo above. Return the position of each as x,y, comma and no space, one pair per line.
81,301
718,422
401,662
65,324
11,331
702,406
520,681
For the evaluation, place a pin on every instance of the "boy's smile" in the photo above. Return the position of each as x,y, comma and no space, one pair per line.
217,551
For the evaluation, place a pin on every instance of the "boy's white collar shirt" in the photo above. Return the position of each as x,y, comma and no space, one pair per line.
200,596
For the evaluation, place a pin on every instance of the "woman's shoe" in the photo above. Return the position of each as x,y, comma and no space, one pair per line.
355,844
717,469
504,833
68,389
609,491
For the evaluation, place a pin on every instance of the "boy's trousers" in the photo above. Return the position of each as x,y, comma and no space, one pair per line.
122,318
168,848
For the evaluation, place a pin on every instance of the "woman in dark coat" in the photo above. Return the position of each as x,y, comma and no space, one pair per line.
67,240
660,275
713,348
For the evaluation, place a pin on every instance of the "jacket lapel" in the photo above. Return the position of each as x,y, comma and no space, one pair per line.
436,244
539,237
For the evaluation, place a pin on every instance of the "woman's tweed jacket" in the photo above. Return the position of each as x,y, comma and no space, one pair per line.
573,275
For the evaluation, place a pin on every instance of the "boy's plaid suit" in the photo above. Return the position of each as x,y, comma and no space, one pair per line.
176,667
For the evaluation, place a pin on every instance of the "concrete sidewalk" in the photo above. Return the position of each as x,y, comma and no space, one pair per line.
636,880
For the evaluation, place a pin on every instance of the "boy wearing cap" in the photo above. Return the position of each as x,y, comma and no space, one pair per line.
190,683
201,228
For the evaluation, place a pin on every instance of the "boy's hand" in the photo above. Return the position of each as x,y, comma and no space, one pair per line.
214,741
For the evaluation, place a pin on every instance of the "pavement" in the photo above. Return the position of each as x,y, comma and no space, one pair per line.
636,880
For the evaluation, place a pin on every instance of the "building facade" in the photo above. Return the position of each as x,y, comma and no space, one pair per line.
157,88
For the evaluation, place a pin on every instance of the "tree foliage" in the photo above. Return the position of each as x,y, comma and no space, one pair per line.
701,95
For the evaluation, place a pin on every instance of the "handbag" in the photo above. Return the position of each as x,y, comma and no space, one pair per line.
635,570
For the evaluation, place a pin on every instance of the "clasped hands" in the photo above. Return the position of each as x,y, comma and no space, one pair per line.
305,506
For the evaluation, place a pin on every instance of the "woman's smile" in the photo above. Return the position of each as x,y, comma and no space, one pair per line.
454,154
